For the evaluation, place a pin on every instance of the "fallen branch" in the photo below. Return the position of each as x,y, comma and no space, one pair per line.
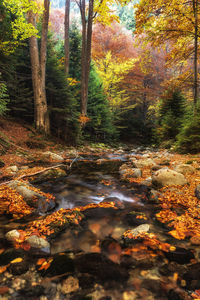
41,171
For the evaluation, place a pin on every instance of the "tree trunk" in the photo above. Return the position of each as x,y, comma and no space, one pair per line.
195,9
86,52
83,58
67,10
38,67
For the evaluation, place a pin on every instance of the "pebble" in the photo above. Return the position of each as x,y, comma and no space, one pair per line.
195,240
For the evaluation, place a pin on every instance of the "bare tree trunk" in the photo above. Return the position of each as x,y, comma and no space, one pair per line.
38,67
67,10
195,9
88,52
83,58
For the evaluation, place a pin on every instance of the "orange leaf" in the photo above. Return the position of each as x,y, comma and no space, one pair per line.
3,269
41,261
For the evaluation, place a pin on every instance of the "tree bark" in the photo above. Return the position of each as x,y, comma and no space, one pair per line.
85,52
38,66
195,9
67,10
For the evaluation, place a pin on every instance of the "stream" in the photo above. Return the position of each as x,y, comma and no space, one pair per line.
92,260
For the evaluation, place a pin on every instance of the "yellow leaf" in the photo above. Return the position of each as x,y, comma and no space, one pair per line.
16,260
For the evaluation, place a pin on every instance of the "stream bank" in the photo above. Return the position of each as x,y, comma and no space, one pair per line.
109,228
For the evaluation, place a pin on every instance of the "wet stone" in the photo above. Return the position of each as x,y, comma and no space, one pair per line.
69,285
101,267
154,286
180,255
195,240
118,203
86,281
99,212
9,255
135,218
192,276
153,196
19,267
61,264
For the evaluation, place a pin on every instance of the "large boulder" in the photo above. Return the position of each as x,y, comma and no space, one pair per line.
142,163
31,196
144,228
131,173
52,156
197,191
168,177
12,235
185,169
49,175
38,242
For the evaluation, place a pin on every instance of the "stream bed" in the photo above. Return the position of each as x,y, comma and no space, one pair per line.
93,259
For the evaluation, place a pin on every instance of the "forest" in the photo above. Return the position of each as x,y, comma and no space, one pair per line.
100,149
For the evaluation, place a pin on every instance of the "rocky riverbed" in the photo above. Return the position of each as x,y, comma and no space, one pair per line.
101,224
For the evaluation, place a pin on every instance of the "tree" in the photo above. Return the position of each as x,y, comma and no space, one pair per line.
174,21
67,10
38,65
171,110
19,29
3,97
101,11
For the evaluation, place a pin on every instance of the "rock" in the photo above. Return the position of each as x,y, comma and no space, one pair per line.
12,169
168,177
197,191
61,264
12,235
185,169
10,254
165,162
180,255
101,267
70,285
135,218
49,175
140,229
131,173
118,203
141,163
129,295
147,182
153,196
32,198
155,168
192,277
195,240
39,243
19,268
52,156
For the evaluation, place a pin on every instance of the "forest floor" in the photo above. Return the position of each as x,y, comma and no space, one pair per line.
138,241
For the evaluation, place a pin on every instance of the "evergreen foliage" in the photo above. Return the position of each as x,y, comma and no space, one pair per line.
170,116
62,104
100,127
188,140
3,98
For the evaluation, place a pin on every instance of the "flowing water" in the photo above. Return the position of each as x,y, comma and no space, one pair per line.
95,249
